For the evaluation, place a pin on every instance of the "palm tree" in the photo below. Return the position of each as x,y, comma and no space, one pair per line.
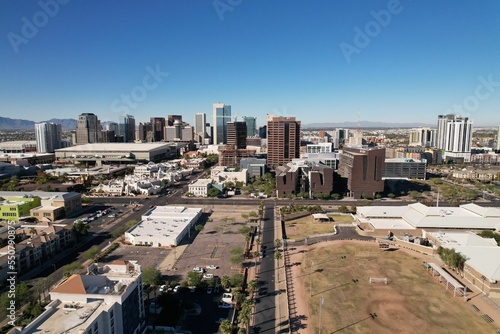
226,327
277,242
252,286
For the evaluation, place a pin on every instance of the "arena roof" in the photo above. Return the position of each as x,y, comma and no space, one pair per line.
114,147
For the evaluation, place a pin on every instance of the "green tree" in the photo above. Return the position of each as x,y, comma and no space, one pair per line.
80,229
151,276
252,286
198,227
278,243
194,278
491,235
278,256
236,280
236,255
71,268
414,194
226,327
92,253
229,185
244,230
213,192
225,282
343,209
391,195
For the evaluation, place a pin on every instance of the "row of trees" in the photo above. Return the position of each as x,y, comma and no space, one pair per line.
451,258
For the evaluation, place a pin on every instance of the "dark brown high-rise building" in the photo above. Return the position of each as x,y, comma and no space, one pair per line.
237,134
158,126
283,140
88,129
363,169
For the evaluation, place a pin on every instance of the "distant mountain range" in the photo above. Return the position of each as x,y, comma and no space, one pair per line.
70,124
23,124
365,124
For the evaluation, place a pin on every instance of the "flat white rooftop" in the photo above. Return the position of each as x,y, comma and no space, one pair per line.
164,221
390,224
467,216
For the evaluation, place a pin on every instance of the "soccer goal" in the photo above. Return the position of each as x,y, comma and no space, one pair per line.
378,280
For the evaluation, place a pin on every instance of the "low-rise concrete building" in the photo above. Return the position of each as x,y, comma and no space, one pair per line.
221,174
163,226
102,153
404,168
482,258
200,187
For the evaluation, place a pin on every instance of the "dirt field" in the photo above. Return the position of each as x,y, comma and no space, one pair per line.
412,301
307,226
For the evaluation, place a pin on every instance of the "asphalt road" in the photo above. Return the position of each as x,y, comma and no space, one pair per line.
265,307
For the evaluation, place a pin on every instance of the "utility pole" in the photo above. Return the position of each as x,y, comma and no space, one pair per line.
310,279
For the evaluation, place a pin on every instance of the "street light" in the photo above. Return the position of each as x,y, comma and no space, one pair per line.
321,301
310,279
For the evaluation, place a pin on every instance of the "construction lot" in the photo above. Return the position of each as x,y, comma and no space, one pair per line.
412,301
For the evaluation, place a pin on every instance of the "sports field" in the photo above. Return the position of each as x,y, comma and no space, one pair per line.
411,302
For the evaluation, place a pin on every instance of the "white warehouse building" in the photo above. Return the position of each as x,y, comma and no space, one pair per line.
163,226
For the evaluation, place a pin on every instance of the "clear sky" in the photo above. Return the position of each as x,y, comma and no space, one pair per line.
321,61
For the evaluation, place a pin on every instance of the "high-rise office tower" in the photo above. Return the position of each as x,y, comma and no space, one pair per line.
48,137
425,137
88,129
283,140
200,123
498,139
178,131
251,125
237,134
172,118
145,132
455,136
126,128
221,115
158,127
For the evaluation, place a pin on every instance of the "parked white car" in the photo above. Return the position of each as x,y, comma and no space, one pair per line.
211,266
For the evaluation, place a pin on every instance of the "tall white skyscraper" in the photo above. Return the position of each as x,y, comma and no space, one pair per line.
221,115
48,137
200,123
498,139
455,136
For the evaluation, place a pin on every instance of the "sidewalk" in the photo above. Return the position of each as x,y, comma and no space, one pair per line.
281,299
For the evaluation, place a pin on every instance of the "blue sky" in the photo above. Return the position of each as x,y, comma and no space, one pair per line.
321,61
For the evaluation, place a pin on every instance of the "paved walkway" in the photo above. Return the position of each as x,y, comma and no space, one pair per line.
281,298
172,257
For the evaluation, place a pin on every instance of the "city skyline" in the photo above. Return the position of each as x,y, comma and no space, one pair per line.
379,61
